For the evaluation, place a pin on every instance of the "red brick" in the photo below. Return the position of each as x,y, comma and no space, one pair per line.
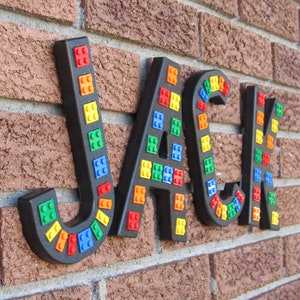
230,7
280,17
291,254
288,204
20,265
289,158
286,65
36,151
287,291
53,9
165,24
246,268
188,279
228,45
28,69
72,293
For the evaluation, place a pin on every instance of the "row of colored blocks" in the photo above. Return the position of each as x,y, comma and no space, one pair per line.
256,196
213,84
256,215
48,214
158,123
228,211
159,172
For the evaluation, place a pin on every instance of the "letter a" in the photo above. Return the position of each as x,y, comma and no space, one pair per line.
154,158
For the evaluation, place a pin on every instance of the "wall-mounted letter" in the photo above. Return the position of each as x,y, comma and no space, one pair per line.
47,235
154,158
213,207
261,122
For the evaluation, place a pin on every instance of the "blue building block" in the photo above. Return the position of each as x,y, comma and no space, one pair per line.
236,204
158,120
100,167
167,175
268,178
203,95
257,174
211,187
85,240
176,152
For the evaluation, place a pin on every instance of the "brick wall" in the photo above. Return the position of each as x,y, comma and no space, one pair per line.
253,42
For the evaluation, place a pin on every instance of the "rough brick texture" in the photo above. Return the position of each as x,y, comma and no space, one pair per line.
288,291
243,269
72,293
286,65
229,7
188,279
288,204
289,158
54,9
228,45
291,254
165,24
279,17
30,73
20,265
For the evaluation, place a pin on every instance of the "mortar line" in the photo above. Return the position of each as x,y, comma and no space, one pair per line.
144,51
139,264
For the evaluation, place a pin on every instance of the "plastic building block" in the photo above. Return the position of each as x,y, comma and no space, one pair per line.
95,139
61,241
203,95
71,246
175,101
175,127
102,217
47,235
202,121
85,240
47,212
139,194
96,229
152,144
86,85
201,105
100,167
176,152
178,201
104,188
53,231
157,170
271,198
180,226
90,111
256,193
212,206
133,221
257,174
206,85
258,143
260,118
158,120
154,158
211,187
275,218
167,174
172,74
105,203
177,177
81,56
164,97
205,143
208,165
